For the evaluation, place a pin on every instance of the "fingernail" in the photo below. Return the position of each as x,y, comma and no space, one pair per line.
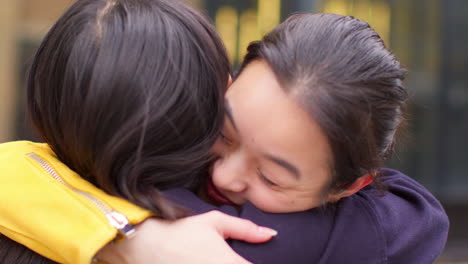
267,230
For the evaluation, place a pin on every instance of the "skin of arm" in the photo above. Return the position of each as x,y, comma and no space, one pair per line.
198,240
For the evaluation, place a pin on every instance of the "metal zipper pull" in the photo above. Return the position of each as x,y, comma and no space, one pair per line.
120,222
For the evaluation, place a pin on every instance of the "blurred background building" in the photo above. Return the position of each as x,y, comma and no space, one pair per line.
430,37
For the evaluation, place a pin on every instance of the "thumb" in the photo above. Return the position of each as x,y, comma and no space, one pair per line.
241,229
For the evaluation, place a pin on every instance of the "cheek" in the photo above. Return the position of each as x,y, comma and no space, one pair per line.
217,148
283,202
216,170
269,200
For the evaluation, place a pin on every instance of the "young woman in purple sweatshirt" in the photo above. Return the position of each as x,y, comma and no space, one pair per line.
309,121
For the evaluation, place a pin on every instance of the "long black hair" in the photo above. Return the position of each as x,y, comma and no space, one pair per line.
129,94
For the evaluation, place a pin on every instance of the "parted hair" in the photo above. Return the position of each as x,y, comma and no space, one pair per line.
339,70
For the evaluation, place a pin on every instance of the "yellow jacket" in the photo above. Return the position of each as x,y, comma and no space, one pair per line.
84,218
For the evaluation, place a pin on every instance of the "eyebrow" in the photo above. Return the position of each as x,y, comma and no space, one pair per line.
283,163
228,111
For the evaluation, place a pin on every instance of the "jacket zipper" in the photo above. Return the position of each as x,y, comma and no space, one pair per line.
116,219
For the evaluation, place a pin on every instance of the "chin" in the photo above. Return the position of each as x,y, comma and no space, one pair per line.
279,210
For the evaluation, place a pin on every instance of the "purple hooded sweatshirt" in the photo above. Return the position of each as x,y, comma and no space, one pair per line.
404,224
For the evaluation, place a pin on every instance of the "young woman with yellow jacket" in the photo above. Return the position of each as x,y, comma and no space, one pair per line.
128,95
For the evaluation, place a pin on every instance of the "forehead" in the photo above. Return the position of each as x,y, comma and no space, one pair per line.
270,121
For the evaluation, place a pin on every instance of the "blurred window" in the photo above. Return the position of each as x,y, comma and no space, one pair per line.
240,22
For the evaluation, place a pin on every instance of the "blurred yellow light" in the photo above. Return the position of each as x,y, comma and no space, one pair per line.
269,12
226,21
381,20
248,31
375,12
362,9
339,7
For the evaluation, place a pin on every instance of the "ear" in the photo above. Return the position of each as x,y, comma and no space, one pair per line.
358,184
229,82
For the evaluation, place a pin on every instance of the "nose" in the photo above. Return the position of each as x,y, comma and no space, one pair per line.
229,173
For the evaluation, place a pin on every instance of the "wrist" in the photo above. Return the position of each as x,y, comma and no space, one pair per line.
110,254
124,251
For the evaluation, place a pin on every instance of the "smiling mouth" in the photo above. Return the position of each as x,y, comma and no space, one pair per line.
216,196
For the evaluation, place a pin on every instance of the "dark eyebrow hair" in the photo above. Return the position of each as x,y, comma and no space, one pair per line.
283,163
228,111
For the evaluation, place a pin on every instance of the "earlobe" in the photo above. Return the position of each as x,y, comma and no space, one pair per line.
229,82
358,184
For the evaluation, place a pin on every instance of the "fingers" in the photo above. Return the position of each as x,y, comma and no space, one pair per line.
239,229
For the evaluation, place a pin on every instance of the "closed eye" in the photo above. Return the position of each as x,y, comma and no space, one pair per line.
225,139
265,179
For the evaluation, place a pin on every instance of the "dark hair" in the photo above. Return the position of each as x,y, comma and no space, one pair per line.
12,252
339,70
129,94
